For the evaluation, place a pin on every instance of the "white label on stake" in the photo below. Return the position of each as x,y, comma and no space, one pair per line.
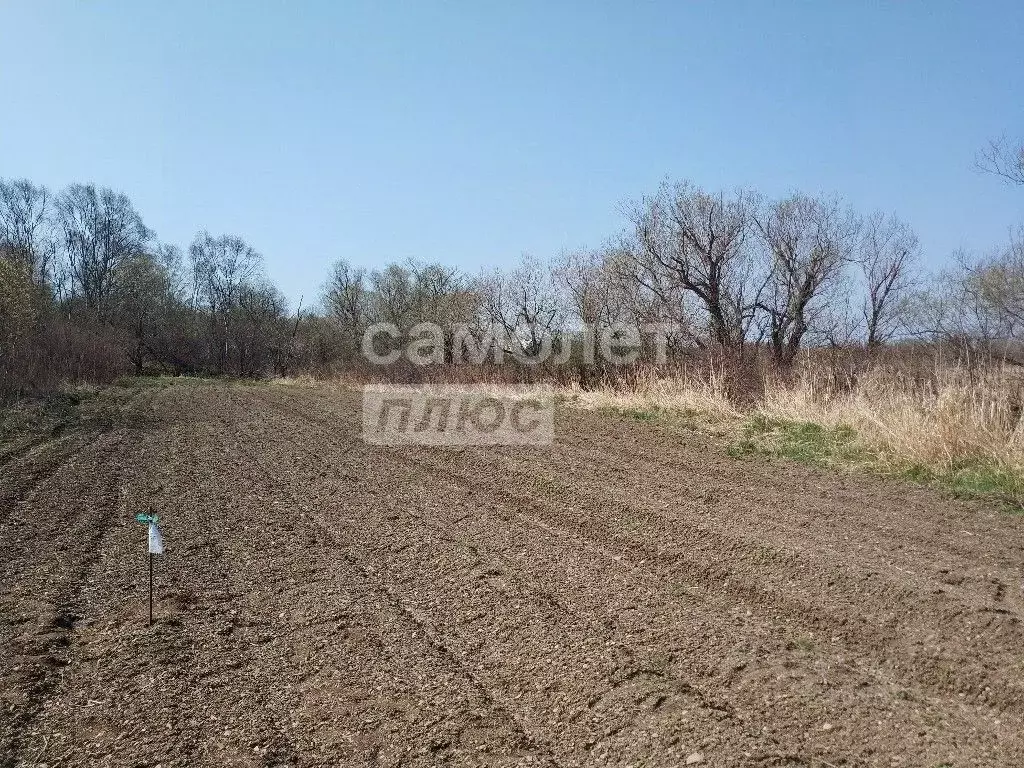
156,544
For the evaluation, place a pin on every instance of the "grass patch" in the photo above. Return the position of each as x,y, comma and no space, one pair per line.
46,413
973,480
802,441
639,414
687,418
801,642
32,421
840,448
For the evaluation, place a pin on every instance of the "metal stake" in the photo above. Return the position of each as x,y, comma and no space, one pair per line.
151,589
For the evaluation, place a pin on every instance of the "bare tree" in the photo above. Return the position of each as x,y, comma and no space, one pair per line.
403,295
590,287
410,293
992,294
442,295
701,241
646,293
977,303
1002,158
148,303
888,255
446,298
223,268
261,336
525,303
102,232
346,301
26,227
393,295
809,241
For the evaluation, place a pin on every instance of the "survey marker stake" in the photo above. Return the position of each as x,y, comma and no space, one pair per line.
156,547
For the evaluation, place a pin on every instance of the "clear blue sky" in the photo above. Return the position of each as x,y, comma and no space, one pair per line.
469,132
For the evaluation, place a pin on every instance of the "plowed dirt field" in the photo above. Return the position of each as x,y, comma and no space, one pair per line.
629,596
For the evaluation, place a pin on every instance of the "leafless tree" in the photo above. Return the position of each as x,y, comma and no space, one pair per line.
1002,158
991,294
102,232
809,242
148,302
442,295
446,298
525,303
976,304
647,293
26,227
223,268
346,301
702,242
261,336
887,255
410,293
403,295
586,277
393,295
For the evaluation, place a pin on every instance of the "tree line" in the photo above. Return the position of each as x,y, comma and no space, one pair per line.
88,292
733,275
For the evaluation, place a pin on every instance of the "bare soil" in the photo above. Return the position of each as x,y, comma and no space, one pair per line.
628,596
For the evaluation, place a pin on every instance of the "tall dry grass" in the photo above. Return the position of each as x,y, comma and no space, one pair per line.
944,416
913,410
700,392
957,417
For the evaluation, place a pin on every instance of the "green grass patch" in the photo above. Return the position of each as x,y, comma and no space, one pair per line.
686,418
802,441
31,421
973,480
34,420
838,447
640,414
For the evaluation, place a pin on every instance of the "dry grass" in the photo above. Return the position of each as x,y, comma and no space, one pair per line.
499,390
298,380
963,428
704,395
955,427
952,420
